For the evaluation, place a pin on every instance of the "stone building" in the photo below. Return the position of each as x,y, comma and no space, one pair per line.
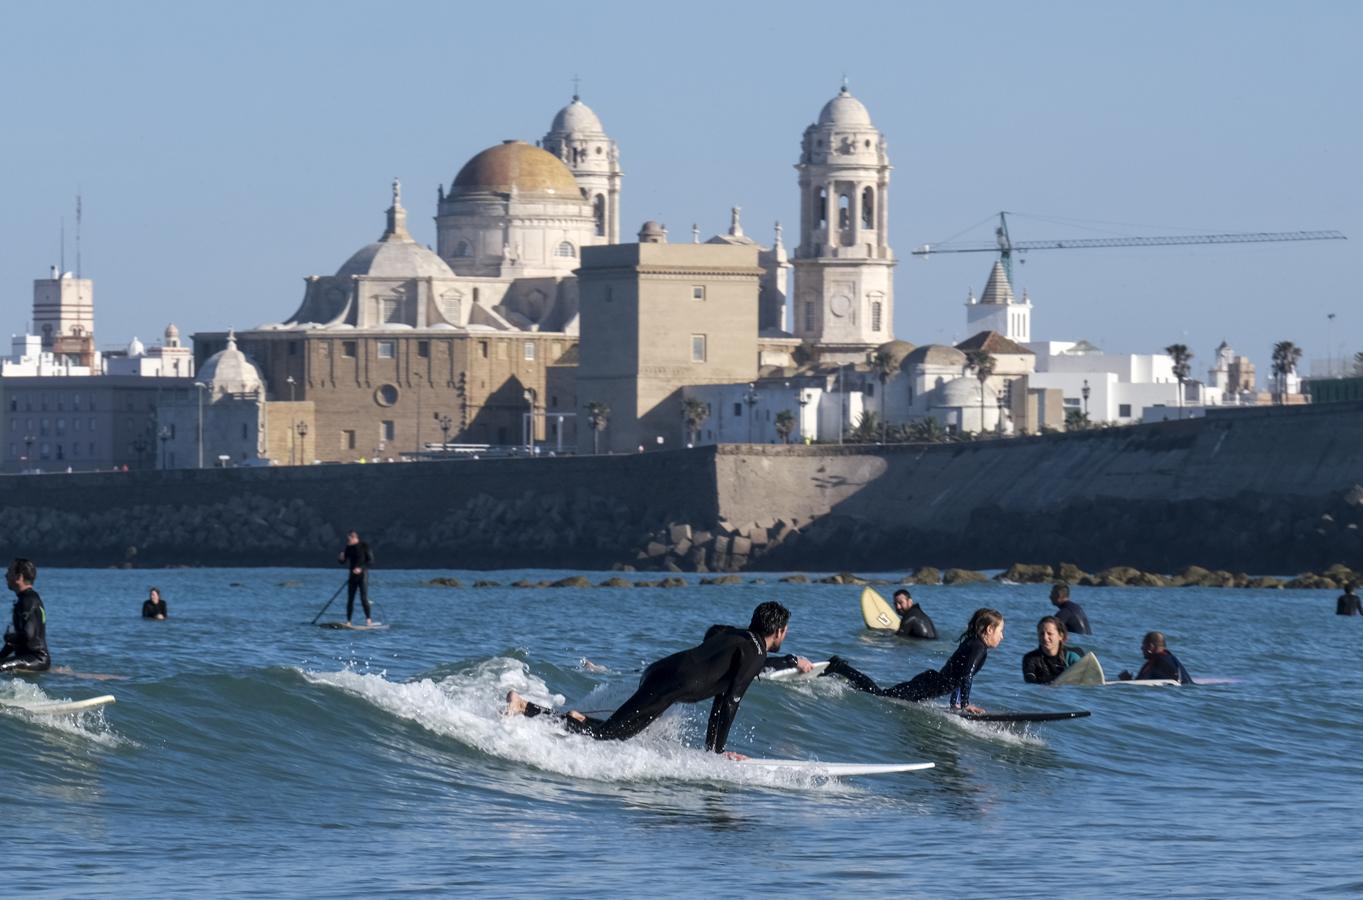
64,317
657,317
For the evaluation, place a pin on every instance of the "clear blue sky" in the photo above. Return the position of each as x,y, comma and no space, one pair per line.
225,151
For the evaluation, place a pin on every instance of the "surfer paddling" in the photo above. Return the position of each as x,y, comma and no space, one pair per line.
722,667
25,647
1347,604
1052,655
1070,614
913,622
1160,664
357,557
983,634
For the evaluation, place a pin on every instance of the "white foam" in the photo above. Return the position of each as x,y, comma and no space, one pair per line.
87,724
468,707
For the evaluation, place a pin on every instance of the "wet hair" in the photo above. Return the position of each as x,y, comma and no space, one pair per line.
1060,589
154,590
1059,629
904,591
1154,639
769,618
25,569
983,620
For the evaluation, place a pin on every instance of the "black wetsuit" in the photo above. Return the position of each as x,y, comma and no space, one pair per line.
25,647
1162,666
1038,668
916,624
1071,615
954,679
781,663
152,609
357,556
1348,605
722,667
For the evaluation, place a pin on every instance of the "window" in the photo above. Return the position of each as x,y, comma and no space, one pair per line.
698,348
387,349
61,403
821,207
475,295
1124,410
738,409
698,292
811,309
423,349
868,208
245,435
844,211
875,316
293,348
386,395
599,213
566,248
348,440
529,350
387,430
348,349
462,249
482,348
75,402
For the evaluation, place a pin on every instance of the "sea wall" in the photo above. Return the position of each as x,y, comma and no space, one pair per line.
1269,490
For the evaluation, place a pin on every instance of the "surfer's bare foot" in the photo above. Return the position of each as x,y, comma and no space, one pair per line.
368,623
576,716
736,757
515,704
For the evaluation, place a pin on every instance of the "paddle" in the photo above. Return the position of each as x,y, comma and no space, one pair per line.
332,600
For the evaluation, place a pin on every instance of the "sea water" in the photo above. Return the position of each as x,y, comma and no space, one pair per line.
251,754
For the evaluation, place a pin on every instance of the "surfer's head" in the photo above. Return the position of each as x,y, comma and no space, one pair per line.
352,537
1060,593
21,574
987,625
1051,635
1152,643
903,600
770,620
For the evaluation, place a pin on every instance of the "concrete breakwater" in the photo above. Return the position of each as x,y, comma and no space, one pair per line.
1261,491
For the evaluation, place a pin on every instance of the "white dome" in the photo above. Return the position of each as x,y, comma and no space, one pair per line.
231,371
577,117
963,392
846,110
135,348
395,259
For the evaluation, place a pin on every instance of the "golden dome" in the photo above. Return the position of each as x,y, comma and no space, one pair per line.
515,165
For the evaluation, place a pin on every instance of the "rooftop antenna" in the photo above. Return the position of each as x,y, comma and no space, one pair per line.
61,270
78,217
577,84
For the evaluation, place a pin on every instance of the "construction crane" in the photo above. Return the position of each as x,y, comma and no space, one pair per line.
1004,246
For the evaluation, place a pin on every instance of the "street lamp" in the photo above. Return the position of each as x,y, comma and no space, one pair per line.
291,383
750,397
529,395
445,423
302,429
1085,391
802,398
201,388
164,435
28,451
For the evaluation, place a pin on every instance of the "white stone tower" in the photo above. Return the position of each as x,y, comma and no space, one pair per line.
998,310
844,267
577,137
64,316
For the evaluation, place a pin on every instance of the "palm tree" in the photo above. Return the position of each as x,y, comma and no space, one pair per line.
785,424
982,363
1358,363
598,417
1076,420
927,431
883,365
1181,356
1285,357
694,414
867,426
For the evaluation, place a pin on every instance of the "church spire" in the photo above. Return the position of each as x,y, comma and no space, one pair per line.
735,229
997,289
397,217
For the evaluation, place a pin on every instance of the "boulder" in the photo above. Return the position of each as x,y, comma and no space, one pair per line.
1311,581
1027,573
963,576
483,583
670,566
1266,581
701,538
682,547
615,581
443,581
722,579
526,583
680,533
740,546
925,575
672,583
1354,496
1069,573
795,579
655,549
572,581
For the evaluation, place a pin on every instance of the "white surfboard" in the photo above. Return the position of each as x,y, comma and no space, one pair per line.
1148,682
58,707
793,674
833,769
1087,671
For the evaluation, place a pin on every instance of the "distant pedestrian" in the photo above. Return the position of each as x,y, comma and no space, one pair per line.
1070,614
1348,604
357,558
154,607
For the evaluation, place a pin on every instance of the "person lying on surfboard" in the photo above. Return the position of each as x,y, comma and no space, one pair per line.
1052,655
773,663
913,622
721,667
984,633
25,647
1160,664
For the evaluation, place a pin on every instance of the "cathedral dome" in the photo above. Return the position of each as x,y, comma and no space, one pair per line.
395,259
231,372
515,166
846,110
935,355
577,117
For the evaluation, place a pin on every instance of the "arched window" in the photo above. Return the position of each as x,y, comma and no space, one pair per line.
821,207
462,249
565,249
844,211
875,316
868,208
599,212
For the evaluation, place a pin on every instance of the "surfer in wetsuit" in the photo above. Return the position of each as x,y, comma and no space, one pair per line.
154,607
1052,655
773,663
1160,664
721,667
1347,604
1070,614
357,557
984,633
913,622
25,647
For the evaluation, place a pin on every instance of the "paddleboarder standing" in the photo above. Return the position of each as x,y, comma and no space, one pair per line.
25,647
357,558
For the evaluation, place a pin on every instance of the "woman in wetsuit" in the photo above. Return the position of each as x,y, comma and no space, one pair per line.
154,607
1053,654
984,633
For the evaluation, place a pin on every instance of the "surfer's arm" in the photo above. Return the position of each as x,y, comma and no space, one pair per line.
725,707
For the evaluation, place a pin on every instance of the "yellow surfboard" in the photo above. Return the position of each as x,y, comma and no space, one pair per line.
877,613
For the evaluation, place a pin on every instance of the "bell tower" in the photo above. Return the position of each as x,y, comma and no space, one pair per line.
578,138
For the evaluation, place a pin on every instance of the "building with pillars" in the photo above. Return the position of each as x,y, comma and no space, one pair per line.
578,139
844,286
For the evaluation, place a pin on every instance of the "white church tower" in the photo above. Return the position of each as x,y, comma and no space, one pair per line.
997,309
844,267
577,137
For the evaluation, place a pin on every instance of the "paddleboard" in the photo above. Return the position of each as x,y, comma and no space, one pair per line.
59,707
377,626
877,613
1087,671
815,767
1023,716
792,674
1148,682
